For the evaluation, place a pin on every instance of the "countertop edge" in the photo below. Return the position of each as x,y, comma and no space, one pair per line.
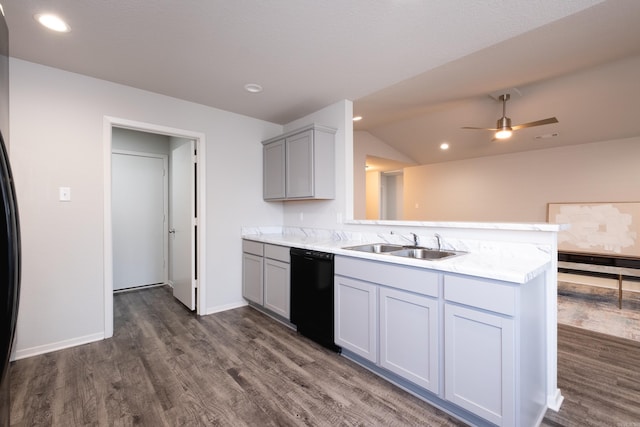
471,264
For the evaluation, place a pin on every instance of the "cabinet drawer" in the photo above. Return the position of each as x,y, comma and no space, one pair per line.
404,277
280,253
251,247
485,294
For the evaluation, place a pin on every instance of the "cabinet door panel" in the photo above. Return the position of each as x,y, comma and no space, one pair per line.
276,287
299,165
479,369
273,179
409,337
356,319
252,278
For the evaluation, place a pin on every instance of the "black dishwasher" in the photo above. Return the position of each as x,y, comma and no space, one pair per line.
312,295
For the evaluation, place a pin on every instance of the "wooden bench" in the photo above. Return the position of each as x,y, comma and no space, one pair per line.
619,272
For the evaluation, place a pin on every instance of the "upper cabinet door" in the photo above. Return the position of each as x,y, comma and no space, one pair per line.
273,176
300,165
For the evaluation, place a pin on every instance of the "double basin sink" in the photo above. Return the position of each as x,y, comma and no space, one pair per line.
417,252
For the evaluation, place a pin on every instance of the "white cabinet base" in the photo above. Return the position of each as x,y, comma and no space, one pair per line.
252,278
411,352
356,313
479,369
276,287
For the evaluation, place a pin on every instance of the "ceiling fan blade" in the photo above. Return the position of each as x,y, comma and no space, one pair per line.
470,127
536,123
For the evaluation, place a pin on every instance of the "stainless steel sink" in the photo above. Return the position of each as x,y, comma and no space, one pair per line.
377,248
424,253
417,252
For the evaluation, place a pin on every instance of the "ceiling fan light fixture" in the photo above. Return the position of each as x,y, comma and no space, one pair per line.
504,134
504,128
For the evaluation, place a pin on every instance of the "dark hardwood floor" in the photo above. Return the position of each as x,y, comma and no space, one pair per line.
167,367
599,376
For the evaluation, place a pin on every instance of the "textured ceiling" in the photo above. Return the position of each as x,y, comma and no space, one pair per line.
397,59
305,53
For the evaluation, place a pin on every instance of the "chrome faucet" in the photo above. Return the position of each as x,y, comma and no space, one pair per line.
439,240
415,238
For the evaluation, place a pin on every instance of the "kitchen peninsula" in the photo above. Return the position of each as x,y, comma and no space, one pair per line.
473,334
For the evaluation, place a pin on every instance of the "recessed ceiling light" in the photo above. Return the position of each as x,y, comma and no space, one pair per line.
253,88
357,118
444,146
52,22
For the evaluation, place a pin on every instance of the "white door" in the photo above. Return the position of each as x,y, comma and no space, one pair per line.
183,227
138,215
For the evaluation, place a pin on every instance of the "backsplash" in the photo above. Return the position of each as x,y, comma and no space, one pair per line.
500,247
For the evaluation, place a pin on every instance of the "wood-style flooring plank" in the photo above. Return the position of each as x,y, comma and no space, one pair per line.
599,376
165,366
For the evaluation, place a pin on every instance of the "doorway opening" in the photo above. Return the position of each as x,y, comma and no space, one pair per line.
185,223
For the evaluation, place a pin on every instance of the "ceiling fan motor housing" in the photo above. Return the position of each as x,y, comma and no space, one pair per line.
503,123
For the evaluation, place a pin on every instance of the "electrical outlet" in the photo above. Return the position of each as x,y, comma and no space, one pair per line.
65,194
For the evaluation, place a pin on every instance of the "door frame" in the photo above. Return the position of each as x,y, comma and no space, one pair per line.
199,138
165,203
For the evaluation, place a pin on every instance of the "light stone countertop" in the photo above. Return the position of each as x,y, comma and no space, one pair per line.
505,265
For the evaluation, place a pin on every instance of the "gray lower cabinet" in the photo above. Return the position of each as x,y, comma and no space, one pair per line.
479,375
387,314
276,280
252,271
265,277
494,348
409,336
356,317
474,346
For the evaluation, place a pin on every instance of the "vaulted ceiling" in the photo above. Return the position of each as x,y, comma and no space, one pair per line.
416,70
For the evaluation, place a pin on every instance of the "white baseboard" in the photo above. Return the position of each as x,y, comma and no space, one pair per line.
60,345
219,308
554,401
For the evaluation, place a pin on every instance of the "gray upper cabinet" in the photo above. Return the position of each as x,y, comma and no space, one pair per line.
300,165
273,170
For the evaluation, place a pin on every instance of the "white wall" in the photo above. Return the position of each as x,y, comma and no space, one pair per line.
327,213
57,140
372,195
517,187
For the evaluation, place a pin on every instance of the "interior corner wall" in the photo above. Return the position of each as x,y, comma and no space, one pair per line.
57,124
365,144
517,187
328,214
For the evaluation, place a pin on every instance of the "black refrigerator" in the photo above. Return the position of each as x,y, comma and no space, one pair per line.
9,234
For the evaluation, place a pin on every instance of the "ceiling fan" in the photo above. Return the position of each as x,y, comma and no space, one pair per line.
503,127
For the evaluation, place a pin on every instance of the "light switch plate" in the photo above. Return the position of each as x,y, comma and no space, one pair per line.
65,194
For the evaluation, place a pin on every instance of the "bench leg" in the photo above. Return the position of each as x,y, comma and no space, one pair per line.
620,291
